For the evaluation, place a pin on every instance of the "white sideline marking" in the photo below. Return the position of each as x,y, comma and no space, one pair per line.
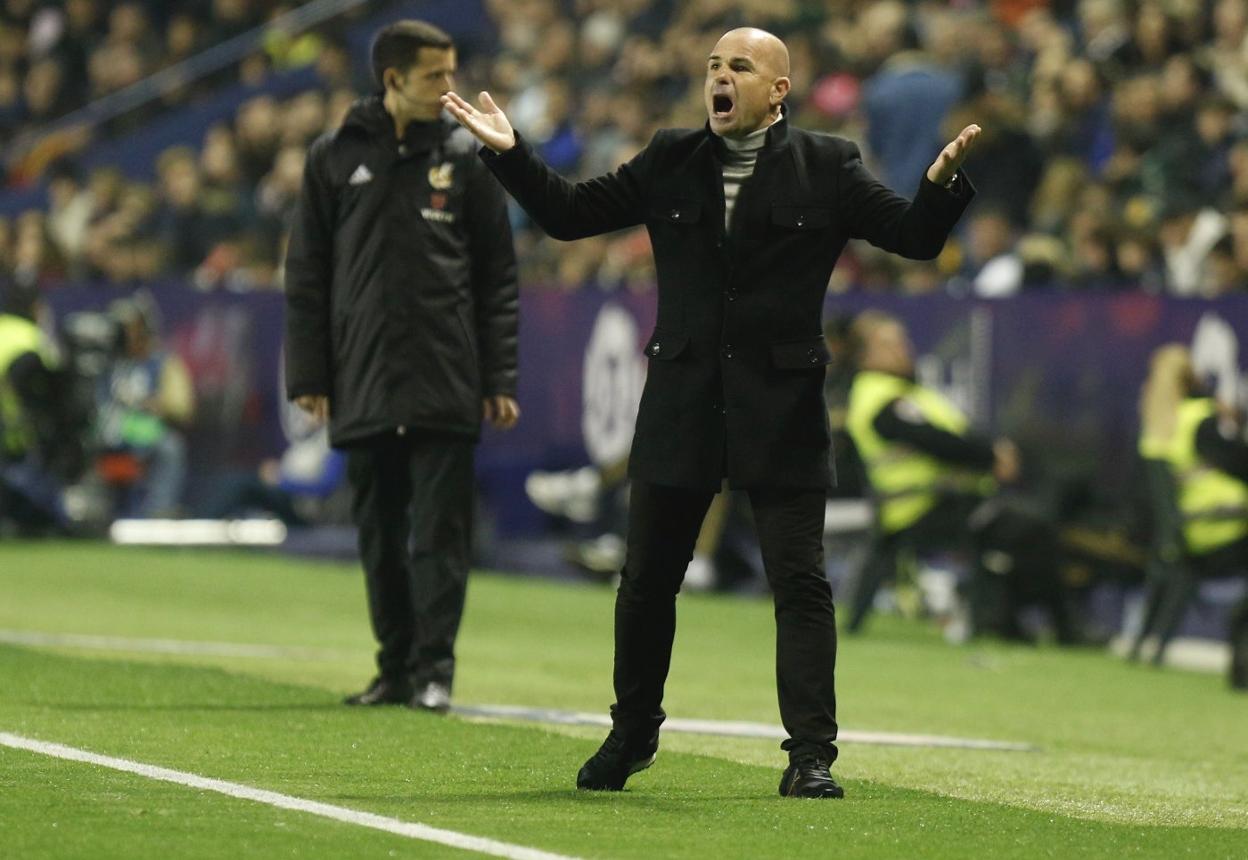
161,646
736,729
411,830
724,728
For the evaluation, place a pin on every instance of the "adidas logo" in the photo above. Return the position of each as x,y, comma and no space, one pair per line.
361,176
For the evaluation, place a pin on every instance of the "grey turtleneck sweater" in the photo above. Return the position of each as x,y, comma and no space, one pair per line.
740,156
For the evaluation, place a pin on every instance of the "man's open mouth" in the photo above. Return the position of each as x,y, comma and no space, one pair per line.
721,106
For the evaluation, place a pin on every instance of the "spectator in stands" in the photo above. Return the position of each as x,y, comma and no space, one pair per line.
995,269
36,261
258,129
182,225
70,209
1145,98
907,97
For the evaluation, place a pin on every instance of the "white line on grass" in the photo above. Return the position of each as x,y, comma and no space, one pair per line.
736,729
162,646
411,830
727,728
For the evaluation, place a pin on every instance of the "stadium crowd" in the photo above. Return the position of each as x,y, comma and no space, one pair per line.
1115,152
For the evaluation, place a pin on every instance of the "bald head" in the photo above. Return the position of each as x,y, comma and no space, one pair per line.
747,78
767,47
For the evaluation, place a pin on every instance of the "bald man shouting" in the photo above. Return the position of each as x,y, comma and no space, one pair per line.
747,217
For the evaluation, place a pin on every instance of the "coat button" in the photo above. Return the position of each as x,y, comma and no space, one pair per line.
728,350
801,220
402,149
675,214
654,350
812,355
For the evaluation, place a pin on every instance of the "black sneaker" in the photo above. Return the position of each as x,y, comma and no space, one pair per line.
381,691
809,777
616,760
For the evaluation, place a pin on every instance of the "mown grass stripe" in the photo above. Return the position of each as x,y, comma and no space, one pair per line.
162,646
411,830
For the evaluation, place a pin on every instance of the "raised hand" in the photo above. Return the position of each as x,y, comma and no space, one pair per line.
489,125
952,156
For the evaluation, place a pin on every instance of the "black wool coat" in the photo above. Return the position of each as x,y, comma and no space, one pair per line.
401,291
735,385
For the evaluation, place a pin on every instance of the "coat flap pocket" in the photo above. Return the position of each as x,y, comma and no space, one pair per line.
676,210
666,345
800,354
801,217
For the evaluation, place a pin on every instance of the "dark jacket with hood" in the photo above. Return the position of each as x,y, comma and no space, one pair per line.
401,285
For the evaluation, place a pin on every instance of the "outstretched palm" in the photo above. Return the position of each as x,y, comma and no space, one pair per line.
489,125
952,156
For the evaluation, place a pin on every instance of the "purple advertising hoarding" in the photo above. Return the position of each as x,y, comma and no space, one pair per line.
1059,372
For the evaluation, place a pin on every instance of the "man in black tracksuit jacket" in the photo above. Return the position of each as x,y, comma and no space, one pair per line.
735,386
401,330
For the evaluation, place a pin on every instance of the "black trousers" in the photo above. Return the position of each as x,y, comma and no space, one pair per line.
663,527
413,503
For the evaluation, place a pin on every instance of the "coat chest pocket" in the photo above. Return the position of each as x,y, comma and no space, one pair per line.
805,354
666,345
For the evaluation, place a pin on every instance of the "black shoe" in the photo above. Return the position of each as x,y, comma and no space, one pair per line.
809,777
433,696
616,760
381,691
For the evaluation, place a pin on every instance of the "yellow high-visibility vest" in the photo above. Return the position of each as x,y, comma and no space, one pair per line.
18,336
906,482
1214,505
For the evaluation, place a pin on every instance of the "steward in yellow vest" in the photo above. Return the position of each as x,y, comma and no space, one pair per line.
32,408
25,357
1204,449
915,446
928,473
1210,470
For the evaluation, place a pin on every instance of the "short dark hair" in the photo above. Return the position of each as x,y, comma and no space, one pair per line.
398,45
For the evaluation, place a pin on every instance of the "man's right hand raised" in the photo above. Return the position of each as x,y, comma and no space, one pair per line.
489,125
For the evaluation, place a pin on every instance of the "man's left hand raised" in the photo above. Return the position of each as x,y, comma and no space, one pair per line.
952,156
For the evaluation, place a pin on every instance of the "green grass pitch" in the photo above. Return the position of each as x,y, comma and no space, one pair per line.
1130,761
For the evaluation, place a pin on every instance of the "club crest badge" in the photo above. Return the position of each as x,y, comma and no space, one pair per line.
440,176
